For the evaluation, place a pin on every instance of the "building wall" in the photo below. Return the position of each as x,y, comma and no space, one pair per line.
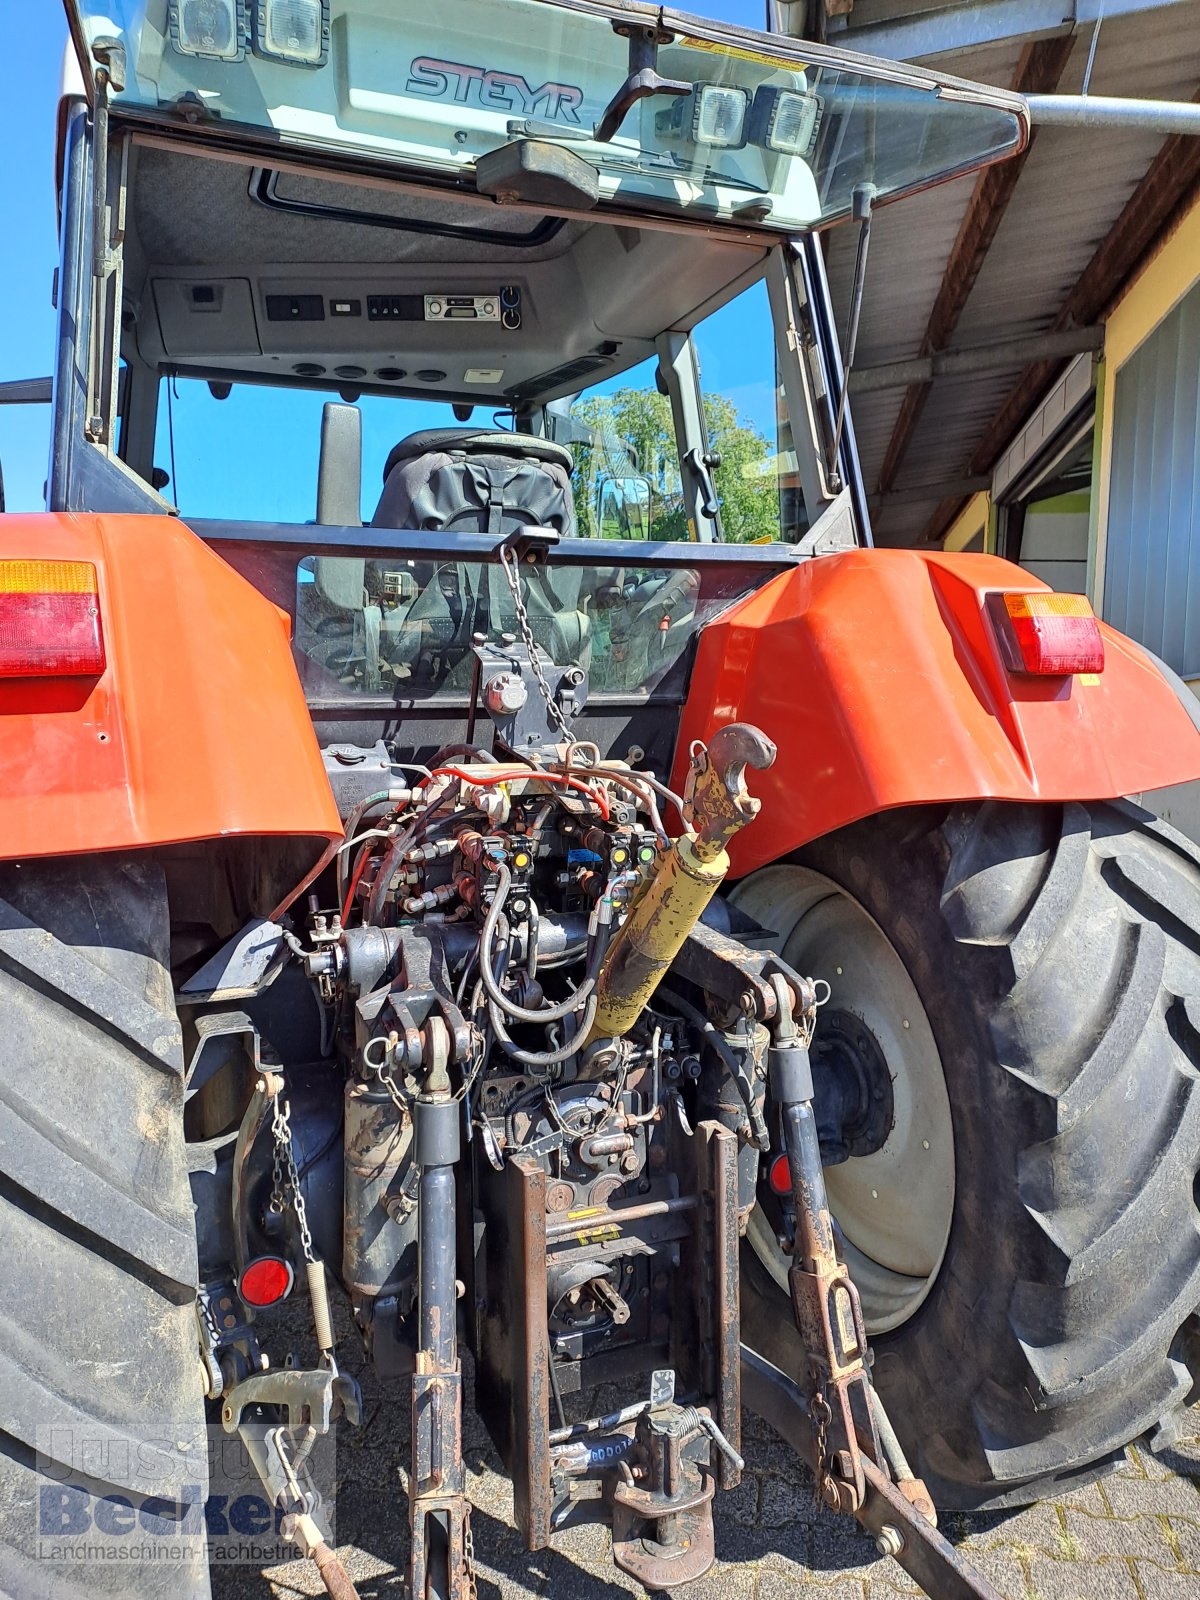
972,524
1154,296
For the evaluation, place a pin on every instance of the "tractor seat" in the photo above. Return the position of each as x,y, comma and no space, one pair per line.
477,482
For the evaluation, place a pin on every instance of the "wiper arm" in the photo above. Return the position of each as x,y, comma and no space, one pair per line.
560,132
644,77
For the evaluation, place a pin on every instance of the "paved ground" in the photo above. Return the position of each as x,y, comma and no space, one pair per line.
1134,1536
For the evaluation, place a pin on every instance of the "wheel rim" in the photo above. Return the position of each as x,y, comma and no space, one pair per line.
894,1207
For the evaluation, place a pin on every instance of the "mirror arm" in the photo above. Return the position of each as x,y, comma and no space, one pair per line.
643,81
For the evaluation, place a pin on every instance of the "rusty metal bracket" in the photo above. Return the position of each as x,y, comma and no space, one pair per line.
311,1396
886,1513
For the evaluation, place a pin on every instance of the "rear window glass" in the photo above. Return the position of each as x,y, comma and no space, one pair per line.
403,628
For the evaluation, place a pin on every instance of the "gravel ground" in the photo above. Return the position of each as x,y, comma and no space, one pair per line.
1133,1536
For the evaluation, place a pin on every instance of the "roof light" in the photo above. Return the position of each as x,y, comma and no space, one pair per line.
779,1176
49,620
1051,635
785,121
266,1281
713,114
215,29
294,31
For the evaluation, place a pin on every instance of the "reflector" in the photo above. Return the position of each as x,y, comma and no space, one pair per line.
49,620
266,1281
779,1175
1050,635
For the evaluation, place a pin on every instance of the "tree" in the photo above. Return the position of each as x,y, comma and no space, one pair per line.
631,434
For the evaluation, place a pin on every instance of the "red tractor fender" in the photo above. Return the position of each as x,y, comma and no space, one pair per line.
878,675
197,727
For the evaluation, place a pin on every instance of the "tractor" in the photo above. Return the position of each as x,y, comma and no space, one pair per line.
594,910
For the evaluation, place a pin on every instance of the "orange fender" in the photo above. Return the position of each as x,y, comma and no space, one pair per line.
878,675
196,729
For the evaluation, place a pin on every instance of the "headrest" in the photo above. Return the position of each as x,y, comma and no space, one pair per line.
470,441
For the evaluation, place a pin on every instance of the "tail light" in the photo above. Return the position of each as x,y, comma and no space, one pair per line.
1051,635
50,620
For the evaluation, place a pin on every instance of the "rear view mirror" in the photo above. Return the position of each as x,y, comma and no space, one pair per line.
624,508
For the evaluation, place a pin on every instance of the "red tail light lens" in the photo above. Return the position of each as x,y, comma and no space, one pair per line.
779,1175
266,1281
50,620
1051,635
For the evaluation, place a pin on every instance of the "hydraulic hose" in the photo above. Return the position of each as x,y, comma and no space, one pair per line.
496,995
542,1058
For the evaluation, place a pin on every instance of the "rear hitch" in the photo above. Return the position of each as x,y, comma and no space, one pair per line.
278,1450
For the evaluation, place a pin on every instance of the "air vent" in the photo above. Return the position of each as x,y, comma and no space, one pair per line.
581,367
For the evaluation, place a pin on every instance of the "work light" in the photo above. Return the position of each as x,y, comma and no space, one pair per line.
785,121
713,114
212,28
294,31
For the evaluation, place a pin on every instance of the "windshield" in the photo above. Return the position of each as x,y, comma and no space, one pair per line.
752,128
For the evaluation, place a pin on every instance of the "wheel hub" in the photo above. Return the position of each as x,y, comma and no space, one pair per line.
853,1100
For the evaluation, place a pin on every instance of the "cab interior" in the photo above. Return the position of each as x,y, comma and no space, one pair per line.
238,273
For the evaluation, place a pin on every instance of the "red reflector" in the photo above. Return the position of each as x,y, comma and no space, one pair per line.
1052,635
49,620
779,1175
265,1281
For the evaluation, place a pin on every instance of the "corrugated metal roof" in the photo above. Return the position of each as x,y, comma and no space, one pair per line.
1073,187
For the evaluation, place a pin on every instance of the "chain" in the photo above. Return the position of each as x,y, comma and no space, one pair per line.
284,1158
469,1554
821,1416
512,573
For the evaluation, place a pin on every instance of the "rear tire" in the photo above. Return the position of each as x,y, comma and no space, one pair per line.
100,1393
1056,953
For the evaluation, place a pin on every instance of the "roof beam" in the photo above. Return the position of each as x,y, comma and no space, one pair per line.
1168,190
967,27
1038,71
975,358
927,494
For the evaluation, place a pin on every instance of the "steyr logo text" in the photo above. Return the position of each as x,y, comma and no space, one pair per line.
495,91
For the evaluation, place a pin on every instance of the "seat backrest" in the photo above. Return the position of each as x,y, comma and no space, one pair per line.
477,482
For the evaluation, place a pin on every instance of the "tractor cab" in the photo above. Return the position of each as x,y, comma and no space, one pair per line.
321,259
281,198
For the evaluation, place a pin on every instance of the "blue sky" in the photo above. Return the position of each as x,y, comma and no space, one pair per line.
29,84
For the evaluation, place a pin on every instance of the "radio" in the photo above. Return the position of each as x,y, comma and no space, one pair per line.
503,306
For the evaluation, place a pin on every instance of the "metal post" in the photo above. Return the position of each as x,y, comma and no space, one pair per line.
1113,111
